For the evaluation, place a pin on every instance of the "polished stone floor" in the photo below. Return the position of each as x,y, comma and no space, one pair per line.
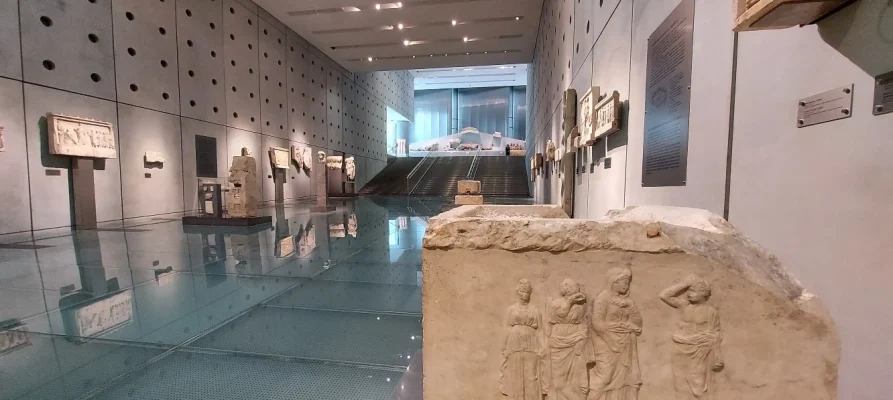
313,306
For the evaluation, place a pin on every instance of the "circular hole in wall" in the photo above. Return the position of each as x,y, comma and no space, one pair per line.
252,119
163,64
165,96
250,22
232,10
49,65
251,71
213,54
232,37
95,77
215,109
213,26
134,87
251,95
188,12
46,21
214,82
250,46
191,73
162,31
235,115
93,38
189,43
192,103
131,51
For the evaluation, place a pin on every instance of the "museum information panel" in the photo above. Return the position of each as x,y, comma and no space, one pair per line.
667,99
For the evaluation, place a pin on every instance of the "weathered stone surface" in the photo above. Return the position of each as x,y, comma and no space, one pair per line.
469,199
638,297
469,187
334,162
350,168
279,157
154,157
241,200
81,137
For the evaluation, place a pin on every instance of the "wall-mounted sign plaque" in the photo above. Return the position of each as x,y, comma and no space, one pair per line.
825,107
668,99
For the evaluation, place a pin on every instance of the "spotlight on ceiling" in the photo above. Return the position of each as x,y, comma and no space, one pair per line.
406,42
399,4
517,18
465,39
370,59
350,9
455,22
400,26
378,6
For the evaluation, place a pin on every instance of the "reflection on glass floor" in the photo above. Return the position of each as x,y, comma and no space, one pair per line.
316,306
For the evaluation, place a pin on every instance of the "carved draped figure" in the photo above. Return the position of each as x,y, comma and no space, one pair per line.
696,350
522,355
570,351
617,323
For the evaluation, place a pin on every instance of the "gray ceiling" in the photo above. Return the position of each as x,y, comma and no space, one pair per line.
487,32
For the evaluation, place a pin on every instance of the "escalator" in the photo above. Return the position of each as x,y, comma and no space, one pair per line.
392,179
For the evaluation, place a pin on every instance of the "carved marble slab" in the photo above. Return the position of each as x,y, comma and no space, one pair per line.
279,157
522,302
297,155
607,115
350,168
154,157
469,199
334,162
588,116
80,137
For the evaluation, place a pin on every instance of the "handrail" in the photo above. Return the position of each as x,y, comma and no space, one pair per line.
416,169
473,168
422,177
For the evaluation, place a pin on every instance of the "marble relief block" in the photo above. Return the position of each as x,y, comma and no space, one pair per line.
80,137
521,302
350,168
469,199
279,157
469,187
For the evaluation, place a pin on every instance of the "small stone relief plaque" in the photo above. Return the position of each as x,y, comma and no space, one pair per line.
883,95
297,155
279,157
587,116
153,157
334,162
350,167
80,137
824,107
2,140
668,99
307,154
336,230
697,351
14,338
607,115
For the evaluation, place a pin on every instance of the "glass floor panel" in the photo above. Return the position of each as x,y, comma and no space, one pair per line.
312,306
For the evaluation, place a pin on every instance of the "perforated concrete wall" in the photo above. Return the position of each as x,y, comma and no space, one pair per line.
162,72
818,197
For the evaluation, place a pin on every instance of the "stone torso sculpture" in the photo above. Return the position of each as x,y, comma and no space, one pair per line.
350,167
697,343
617,324
522,366
569,343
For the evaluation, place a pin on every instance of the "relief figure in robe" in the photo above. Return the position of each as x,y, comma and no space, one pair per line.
569,343
697,343
522,352
617,324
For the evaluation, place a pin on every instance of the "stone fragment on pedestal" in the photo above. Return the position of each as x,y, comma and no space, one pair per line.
522,302
469,187
469,199
241,201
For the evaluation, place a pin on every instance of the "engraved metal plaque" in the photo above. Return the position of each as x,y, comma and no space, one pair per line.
825,107
205,156
668,99
883,94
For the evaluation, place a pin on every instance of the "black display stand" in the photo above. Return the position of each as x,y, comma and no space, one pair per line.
239,222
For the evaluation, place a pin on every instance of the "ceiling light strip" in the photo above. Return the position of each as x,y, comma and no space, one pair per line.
421,42
439,55
410,26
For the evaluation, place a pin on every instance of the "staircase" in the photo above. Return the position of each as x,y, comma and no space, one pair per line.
443,177
502,176
392,179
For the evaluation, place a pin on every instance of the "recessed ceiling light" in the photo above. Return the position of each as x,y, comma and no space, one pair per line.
467,54
370,59
465,39
400,26
350,9
399,4
455,22
378,6
406,42
413,56
517,18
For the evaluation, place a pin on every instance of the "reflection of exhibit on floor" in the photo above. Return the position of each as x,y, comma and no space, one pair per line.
599,309
238,207
100,306
340,176
322,185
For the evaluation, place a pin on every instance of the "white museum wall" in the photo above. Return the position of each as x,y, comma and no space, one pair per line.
819,197
162,76
816,197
